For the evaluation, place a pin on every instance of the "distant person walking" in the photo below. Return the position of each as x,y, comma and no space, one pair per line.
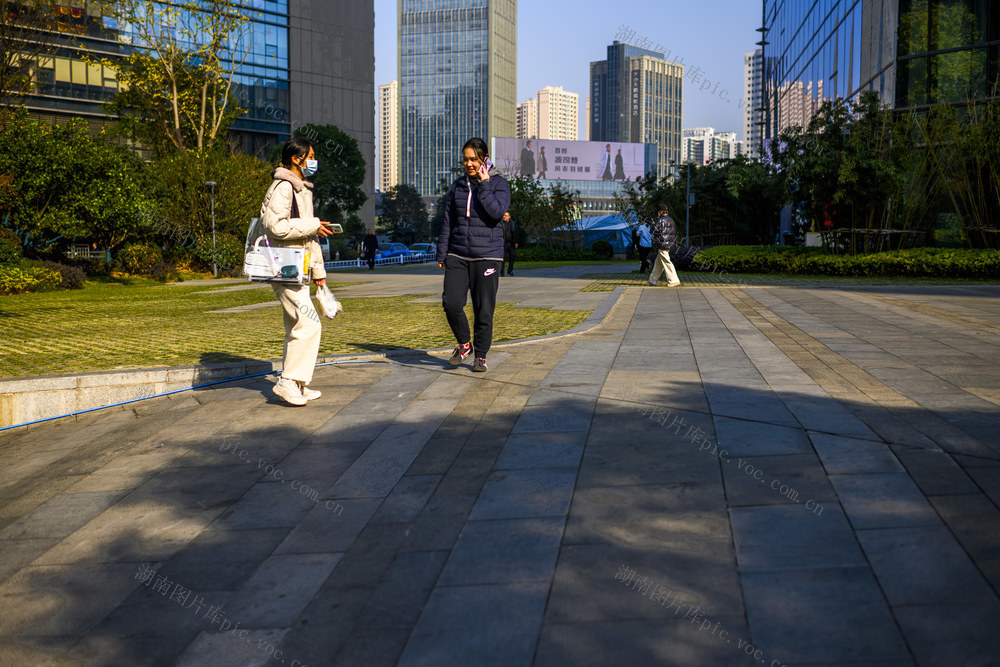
527,160
509,244
470,250
371,247
645,243
664,240
542,163
287,217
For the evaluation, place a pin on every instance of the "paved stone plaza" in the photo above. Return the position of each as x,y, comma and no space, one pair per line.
704,476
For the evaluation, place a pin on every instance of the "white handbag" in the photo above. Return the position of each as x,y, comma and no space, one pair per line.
275,265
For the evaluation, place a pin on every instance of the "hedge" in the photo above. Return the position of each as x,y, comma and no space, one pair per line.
539,254
18,279
913,263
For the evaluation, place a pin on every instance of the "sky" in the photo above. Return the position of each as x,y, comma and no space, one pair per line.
557,40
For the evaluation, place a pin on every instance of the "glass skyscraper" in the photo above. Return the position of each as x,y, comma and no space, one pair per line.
914,53
457,80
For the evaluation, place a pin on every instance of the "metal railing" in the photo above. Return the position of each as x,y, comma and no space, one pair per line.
413,258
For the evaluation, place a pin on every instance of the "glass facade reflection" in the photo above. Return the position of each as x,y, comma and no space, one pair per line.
948,51
457,69
914,53
813,53
63,83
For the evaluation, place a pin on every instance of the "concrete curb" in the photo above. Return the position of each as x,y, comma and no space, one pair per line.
27,400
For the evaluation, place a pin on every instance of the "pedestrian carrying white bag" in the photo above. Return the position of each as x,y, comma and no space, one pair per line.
328,302
263,263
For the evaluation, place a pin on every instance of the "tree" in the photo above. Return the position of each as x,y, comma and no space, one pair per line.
25,36
404,214
759,193
855,172
337,192
66,186
529,208
183,203
177,79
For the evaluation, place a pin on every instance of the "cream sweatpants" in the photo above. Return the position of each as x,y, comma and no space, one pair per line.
302,331
663,265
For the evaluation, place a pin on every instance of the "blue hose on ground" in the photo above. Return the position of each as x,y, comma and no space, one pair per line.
197,386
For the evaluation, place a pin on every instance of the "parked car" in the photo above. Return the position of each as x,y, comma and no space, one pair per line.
390,250
423,248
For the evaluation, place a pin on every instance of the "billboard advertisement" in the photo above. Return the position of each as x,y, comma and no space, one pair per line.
577,160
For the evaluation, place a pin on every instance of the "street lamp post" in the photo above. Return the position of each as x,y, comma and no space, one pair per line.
687,213
211,195
687,201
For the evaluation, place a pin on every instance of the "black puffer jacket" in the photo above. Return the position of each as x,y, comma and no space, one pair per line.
664,233
472,214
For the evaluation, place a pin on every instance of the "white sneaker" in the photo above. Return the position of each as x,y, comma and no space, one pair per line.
674,284
289,391
309,394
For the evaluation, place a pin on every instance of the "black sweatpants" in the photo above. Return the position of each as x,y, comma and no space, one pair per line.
509,255
481,278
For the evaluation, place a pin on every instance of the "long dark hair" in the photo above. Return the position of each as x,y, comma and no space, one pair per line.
294,147
478,145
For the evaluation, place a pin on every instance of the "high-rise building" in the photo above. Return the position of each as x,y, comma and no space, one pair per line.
753,70
703,146
558,114
458,79
527,119
914,53
586,120
636,95
552,114
388,135
325,78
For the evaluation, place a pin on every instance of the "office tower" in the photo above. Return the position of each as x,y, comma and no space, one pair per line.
558,112
388,135
752,101
914,53
586,120
527,119
636,96
324,79
703,146
458,79
332,74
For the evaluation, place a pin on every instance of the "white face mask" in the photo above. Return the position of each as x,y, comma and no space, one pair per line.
310,167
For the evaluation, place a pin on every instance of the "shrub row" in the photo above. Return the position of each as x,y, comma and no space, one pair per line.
17,279
913,263
539,254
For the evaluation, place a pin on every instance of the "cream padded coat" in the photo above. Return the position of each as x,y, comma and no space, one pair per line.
282,228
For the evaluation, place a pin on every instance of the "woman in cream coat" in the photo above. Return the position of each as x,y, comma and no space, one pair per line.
287,216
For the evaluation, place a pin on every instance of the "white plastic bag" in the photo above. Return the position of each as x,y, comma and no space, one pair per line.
328,302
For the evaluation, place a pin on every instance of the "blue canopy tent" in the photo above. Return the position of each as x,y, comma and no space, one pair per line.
611,228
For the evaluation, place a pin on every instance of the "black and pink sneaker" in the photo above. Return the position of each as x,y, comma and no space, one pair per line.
461,352
480,365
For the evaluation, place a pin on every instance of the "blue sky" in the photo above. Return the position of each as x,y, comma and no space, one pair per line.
557,40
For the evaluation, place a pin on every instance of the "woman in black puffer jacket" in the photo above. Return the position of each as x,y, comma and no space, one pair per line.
470,250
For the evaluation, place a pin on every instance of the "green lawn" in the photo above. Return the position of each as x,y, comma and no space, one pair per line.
111,325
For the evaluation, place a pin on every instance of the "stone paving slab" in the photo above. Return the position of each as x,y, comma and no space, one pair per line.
708,475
